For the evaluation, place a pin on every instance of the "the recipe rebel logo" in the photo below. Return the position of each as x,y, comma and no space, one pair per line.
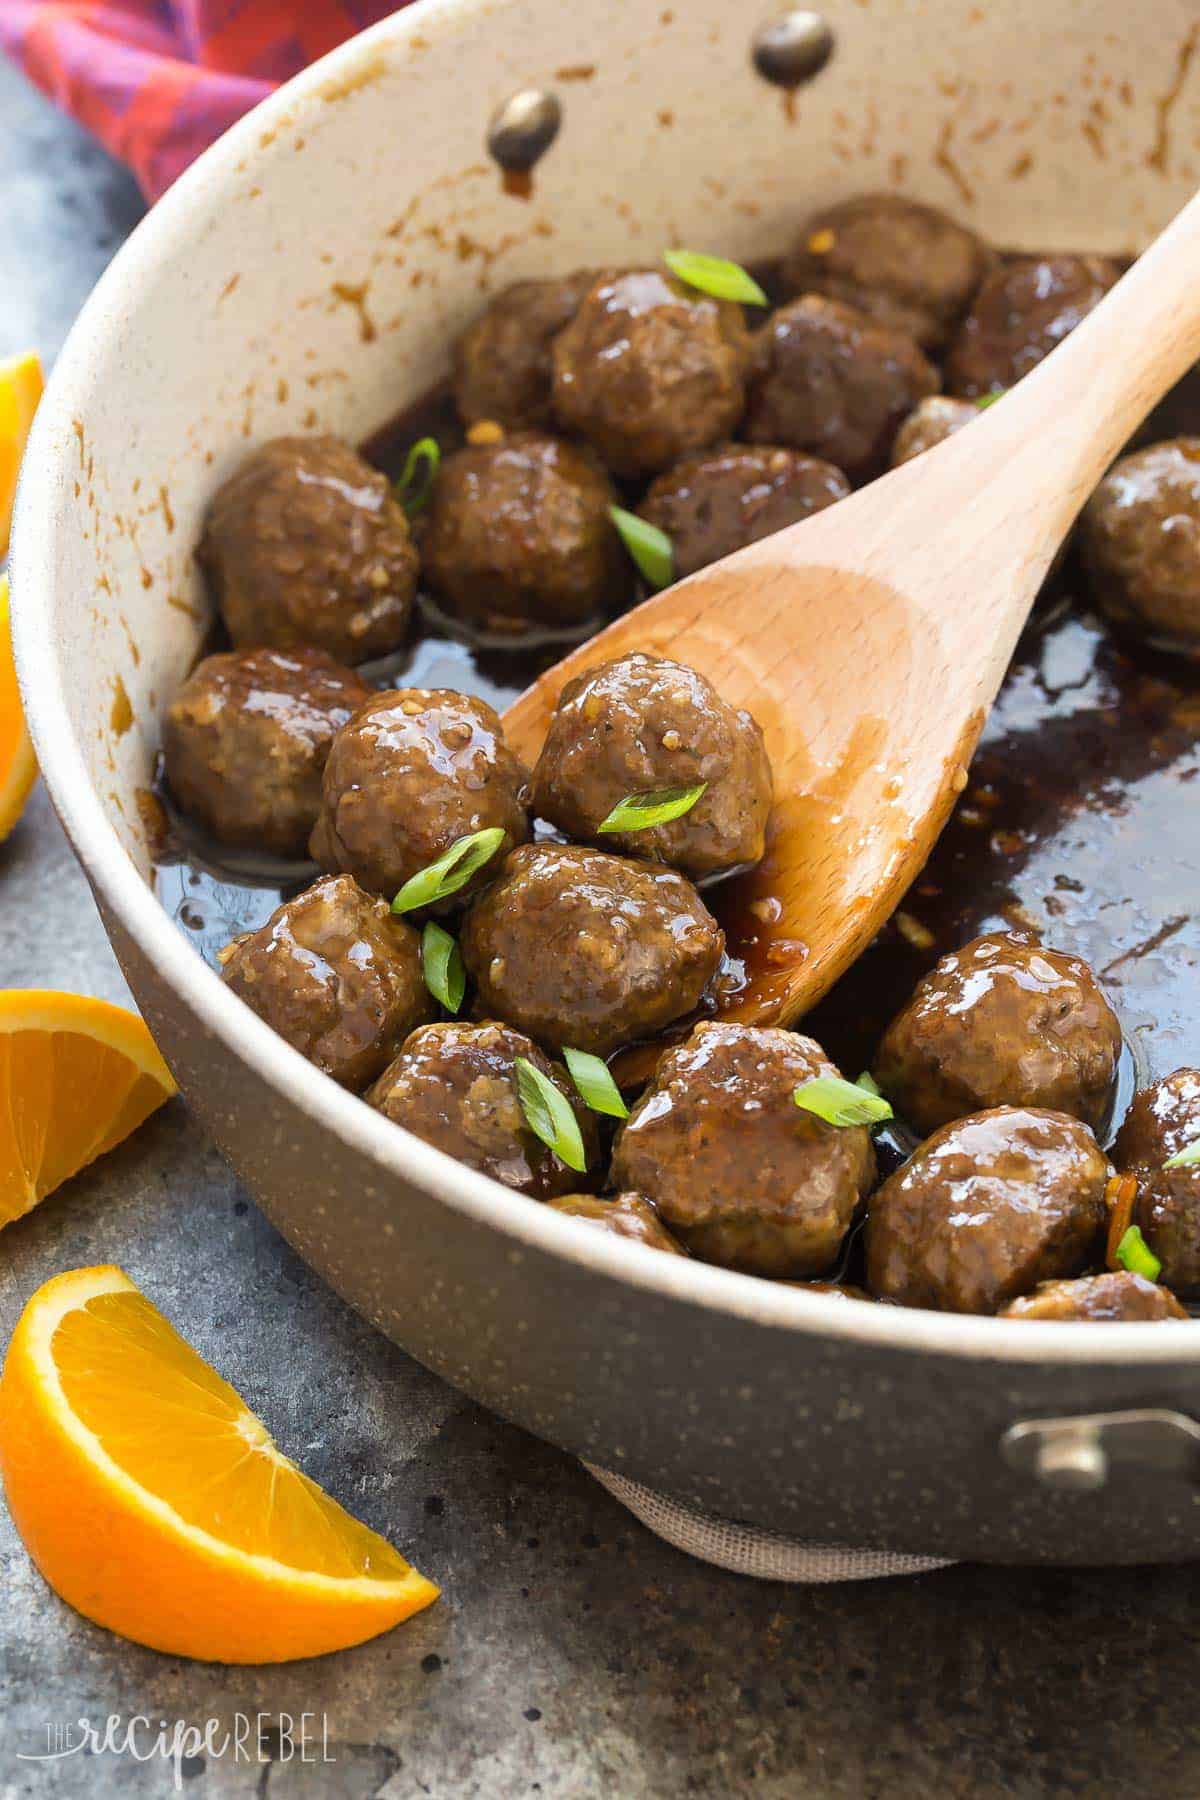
256,1738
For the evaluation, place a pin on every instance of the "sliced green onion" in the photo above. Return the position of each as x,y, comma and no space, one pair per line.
841,1102
868,1083
452,870
1185,1158
714,275
1135,1254
638,812
649,547
418,475
442,963
549,1115
596,1086
986,400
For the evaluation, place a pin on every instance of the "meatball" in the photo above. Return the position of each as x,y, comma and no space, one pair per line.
304,545
1025,307
502,367
245,741
649,369
336,975
454,1085
593,951
625,1215
643,723
1163,1120
832,382
988,1207
931,423
1098,1297
1140,540
1001,1022
411,772
907,266
714,502
520,534
738,1171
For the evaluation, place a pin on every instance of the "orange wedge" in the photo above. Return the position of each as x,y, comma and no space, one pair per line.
18,770
76,1077
20,391
155,1502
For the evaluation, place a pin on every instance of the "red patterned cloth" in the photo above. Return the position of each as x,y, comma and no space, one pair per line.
157,80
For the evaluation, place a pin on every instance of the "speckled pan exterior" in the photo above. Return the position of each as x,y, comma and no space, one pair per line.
312,270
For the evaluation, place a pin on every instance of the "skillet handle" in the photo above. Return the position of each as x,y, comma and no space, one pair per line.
1075,1454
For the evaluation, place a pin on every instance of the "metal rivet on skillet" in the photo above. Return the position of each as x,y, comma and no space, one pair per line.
523,128
793,48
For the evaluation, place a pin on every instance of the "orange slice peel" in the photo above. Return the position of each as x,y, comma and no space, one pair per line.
21,386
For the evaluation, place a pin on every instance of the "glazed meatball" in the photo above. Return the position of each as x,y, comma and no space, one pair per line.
988,1207
245,741
832,382
1140,540
907,266
649,369
454,1085
1001,1022
502,368
1163,1120
304,545
931,423
519,534
408,774
593,951
642,723
714,502
625,1215
1024,308
738,1171
1098,1297
336,975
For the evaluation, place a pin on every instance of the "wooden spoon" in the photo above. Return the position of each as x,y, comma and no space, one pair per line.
871,640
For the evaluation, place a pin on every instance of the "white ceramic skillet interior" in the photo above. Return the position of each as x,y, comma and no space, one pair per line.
311,272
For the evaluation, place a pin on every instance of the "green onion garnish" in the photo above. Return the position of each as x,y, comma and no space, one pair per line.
1135,1254
417,476
452,870
649,547
841,1102
868,1083
1185,1158
714,275
986,400
549,1115
442,963
596,1086
638,812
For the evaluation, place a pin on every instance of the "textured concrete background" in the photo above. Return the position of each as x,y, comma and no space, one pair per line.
571,1654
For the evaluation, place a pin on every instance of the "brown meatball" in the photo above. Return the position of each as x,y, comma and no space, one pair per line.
649,369
336,975
740,1173
411,772
832,382
1001,1022
1140,540
714,502
1163,1120
245,741
1098,1297
625,1215
588,950
502,367
907,266
929,424
520,534
1024,308
454,1085
987,1208
304,544
642,723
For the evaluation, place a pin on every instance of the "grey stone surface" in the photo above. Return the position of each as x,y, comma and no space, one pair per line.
571,1653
